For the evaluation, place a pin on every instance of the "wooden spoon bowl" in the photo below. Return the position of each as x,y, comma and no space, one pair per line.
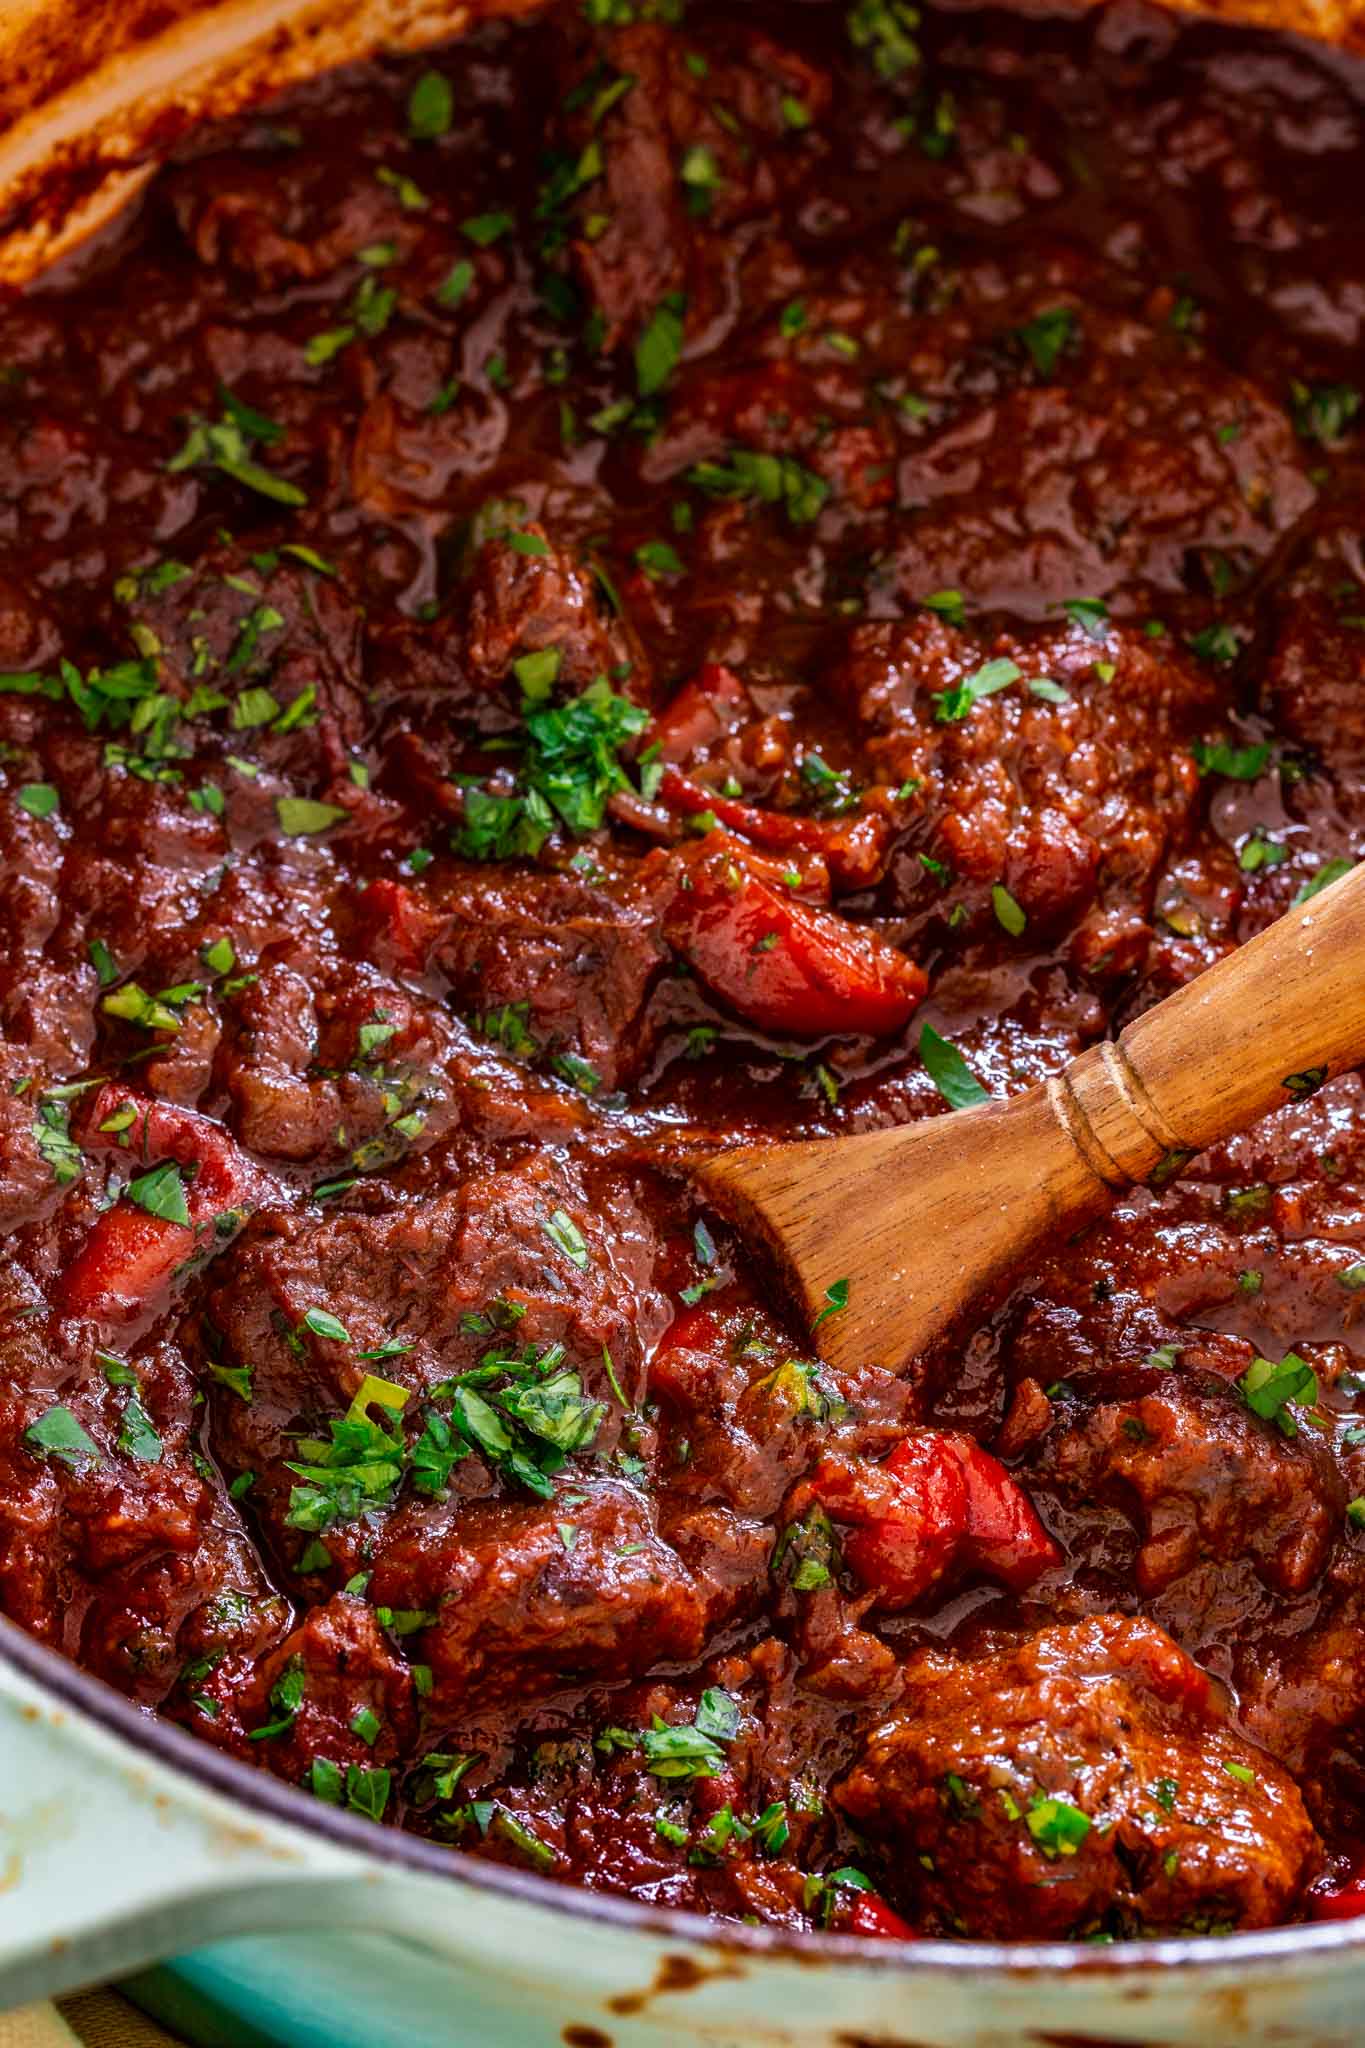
883,1238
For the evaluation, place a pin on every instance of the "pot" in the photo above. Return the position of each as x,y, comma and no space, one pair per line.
378,1938
123,1841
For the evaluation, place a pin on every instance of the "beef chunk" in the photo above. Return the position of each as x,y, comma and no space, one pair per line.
29,636
1315,678
664,139
128,1515
271,655
64,483
335,1066
35,1157
1081,1781
821,421
1067,804
530,1599
1050,491
521,1260
571,962
1208,1482
333,1689
528,596
157,1629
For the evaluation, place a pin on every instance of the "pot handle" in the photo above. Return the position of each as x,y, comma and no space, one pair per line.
110,1861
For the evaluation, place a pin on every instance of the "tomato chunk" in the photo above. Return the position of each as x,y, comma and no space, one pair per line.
789,969
131,1254
936,1503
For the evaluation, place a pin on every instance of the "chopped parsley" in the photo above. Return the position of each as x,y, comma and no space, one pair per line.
138,1436
566,1237
431,106
1330,871
951,706
1058,1827
57,1434
949,1072
1268,1389
765,479
1216,643
659,348
1322,412
807,1553
56,1147
39,799
226,444
1008,912
1259,852
692,1751
949,604
484,229
161,1192
836,1301
357,1467
570,770
1048,336
1091,614
885,31
1238,764
303,816
658,558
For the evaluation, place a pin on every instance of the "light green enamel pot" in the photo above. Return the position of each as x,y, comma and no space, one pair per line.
123,1841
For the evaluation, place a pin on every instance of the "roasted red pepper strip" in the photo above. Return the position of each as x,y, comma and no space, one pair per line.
1342,1901
130,1254
712,704
937,1502
873,1919
1004,1536
789,969
855,849
401,927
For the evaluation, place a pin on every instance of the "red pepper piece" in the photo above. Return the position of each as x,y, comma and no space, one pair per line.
855,849
936,1502
789,969
1344,1900
402,928
906,1516
703,711
130,1255
873,1919
1004,1536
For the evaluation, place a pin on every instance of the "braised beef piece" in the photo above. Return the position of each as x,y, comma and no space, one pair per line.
560,600
1082,1781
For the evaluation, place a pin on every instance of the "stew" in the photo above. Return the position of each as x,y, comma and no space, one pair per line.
652,578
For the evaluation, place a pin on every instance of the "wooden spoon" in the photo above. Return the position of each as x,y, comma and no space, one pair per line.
919,1219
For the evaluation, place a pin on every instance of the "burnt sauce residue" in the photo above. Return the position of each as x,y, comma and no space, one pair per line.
651,578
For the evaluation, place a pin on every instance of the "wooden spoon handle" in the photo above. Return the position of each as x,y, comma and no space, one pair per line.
1266,1026
884,1237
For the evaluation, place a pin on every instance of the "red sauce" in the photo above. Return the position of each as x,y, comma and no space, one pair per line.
559,602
